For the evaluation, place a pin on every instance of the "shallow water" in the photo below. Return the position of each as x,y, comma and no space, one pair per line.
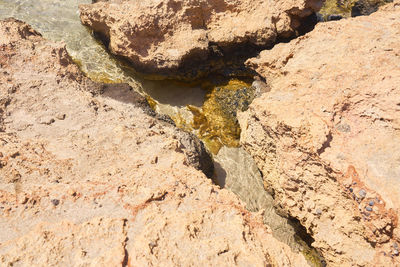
58,20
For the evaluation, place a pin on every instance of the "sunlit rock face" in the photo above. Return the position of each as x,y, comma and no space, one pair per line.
188,39
86,178
326,137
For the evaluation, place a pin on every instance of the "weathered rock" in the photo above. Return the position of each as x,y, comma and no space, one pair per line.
105,183
191,38
327,136
196,154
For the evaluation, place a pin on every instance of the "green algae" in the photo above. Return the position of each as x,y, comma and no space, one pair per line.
216,123
344,7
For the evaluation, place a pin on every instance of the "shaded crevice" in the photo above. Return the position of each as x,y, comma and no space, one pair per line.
312,255
125,262
326,144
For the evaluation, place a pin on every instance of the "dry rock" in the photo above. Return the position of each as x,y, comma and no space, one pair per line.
191,38
330,129
86,190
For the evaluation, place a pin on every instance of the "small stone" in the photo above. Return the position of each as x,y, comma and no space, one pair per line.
371,203
318,211
395,245
46,120
24,200
343,128
368,208
351,189
362,193
60,116
55,202
396,252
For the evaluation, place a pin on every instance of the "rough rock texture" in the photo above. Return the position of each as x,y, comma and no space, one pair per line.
86,179
327,136
179,36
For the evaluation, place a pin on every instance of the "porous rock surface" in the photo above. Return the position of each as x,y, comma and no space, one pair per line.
86,179
326,138
187,37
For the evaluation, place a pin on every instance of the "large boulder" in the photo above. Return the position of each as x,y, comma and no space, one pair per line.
188,38
327,136
88,176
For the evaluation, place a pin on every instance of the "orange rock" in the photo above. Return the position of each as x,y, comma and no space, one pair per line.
331,126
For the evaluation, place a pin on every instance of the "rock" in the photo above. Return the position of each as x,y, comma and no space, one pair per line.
125,191
334,17
367,7
196,154
362,193
260,86
187,39
342,73
55,202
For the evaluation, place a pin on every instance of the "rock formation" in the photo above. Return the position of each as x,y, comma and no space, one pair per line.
88,178
326,137
191,38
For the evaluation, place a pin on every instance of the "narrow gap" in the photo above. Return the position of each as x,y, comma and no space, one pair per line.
310,253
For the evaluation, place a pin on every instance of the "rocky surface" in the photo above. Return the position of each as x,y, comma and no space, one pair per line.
87,177
326,137
191,38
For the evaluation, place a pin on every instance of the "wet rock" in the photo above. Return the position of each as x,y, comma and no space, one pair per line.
193,38
196,153
292,133
334,17
101,154
367,7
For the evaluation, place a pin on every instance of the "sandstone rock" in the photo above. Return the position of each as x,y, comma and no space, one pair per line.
108,184
327,136
190,38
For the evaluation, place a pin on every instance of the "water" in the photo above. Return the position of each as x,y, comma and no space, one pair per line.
59,21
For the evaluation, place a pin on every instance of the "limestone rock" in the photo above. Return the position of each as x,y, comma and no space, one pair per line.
106,184
326,137
190,38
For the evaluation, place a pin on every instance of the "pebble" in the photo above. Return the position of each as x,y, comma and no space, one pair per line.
362,193
351,189
55,202
318,212
60,116
371,203
368,208
396,252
